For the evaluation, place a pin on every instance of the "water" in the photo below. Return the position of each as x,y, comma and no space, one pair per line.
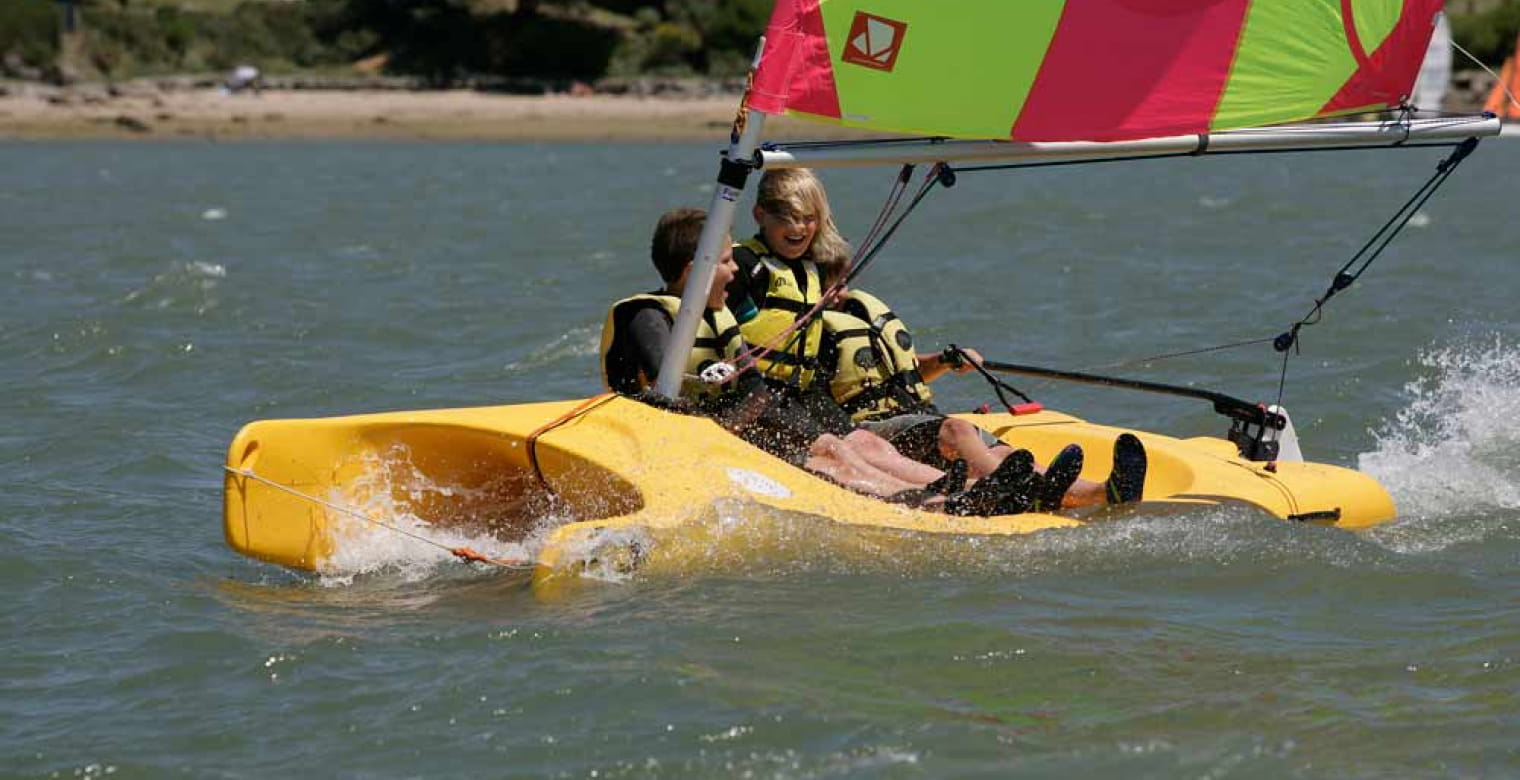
158,296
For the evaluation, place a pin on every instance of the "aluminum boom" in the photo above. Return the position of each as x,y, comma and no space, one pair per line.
1285,138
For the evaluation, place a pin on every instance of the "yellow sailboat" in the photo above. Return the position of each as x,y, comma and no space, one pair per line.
631,484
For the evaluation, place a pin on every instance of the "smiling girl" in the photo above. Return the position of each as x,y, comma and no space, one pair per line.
782,271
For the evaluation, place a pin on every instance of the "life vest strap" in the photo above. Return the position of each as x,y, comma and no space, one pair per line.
870,396
786,304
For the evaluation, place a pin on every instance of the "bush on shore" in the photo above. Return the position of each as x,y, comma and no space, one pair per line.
441,41
29,38
1489,35
444,41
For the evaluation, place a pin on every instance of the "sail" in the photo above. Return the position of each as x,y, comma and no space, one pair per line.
1500,101
1093,70
1435,71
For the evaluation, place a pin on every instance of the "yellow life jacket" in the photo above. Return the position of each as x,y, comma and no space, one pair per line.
876,374
717,340
792,359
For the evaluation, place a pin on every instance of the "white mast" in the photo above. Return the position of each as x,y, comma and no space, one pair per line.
727,191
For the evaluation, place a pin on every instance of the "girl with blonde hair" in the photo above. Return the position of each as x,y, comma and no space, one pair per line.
783,271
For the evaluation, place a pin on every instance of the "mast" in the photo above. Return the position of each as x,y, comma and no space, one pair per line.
733,173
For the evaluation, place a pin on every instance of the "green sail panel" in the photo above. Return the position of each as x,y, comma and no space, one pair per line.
1374,21
993,66
1293,57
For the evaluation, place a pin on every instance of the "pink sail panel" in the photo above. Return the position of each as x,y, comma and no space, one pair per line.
1129,69
795,72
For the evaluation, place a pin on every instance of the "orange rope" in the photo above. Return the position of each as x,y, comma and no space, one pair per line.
532,440
470,556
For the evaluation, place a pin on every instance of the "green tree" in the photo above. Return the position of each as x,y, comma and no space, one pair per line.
29,32
1488,35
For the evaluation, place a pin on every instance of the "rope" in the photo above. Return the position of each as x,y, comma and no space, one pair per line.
463,553
1183,353
532,440
1372,249
1497,78
1380,239
958,357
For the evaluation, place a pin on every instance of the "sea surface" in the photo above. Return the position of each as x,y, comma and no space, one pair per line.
158,296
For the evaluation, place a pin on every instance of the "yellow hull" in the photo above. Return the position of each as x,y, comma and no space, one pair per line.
635,478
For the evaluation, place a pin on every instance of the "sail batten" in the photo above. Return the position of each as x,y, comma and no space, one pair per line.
1093,70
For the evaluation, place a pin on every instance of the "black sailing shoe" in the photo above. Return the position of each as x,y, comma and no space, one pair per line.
954,480
1063,470
1127,481
984,497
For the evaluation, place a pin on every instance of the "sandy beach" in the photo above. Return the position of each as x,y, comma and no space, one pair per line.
30,112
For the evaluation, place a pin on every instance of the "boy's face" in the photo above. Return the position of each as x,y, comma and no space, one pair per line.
717,294
789,234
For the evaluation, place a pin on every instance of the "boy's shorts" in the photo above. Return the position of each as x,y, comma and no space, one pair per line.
917,436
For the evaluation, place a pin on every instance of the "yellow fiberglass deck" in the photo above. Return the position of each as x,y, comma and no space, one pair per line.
622,470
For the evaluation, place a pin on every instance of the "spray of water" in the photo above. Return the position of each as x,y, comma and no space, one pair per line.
390,490
1451,458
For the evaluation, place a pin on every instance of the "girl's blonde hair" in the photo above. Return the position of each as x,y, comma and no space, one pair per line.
792,192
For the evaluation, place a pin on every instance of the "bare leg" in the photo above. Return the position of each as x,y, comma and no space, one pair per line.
832,457
1085,492
880,453
961,439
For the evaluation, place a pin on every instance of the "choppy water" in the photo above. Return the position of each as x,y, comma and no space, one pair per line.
158,296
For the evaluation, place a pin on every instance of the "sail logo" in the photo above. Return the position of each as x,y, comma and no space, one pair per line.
874,41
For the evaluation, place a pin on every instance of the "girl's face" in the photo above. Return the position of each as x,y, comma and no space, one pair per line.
788,234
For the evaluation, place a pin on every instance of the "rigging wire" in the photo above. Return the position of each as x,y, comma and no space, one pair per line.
1381,238
943,174
958,357
1372,249
1497,79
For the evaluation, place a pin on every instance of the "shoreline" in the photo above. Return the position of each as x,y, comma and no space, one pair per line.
146,112
134,112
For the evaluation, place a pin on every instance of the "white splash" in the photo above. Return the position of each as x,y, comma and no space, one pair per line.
390,487
1454,451
214,214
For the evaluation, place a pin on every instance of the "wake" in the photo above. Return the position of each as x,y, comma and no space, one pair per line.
1450,458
